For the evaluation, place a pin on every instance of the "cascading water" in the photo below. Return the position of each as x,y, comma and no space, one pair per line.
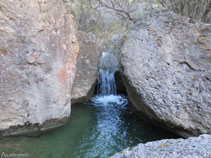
106,90
106,81
107,85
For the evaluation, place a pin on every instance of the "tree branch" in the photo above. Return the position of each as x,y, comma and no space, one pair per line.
127,14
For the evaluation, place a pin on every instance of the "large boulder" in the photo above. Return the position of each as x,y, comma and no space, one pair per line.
194,147
38,51
166,61
87,68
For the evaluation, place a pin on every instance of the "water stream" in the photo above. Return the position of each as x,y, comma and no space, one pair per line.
97,129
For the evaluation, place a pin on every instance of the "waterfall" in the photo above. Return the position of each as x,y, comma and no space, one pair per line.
106,85
106,80
106,88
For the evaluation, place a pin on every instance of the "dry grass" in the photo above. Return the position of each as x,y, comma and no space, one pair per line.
197,9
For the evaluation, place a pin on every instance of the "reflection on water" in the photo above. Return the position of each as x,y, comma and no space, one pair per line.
95,129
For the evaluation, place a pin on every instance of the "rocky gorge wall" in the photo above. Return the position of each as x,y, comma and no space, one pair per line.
87,68
38,51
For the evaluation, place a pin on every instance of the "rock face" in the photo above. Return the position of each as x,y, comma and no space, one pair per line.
166,64
38,51
109,62
194,147
87,68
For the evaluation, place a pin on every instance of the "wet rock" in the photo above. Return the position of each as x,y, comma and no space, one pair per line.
87,68
120,84
38,51
109,62
194,147
166,64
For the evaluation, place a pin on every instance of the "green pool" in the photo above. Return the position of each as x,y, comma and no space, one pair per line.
92,132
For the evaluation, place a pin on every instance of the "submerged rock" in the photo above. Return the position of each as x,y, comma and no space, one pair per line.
87,68
166,63
38,51
194,147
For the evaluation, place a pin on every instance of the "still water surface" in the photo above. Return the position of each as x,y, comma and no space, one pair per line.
95,130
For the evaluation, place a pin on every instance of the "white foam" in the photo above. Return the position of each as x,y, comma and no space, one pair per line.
109,100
